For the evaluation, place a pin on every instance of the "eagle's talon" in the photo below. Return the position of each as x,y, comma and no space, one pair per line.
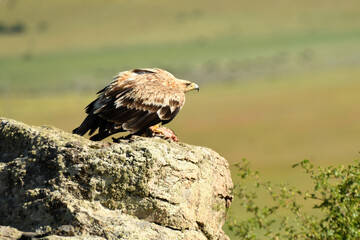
164,133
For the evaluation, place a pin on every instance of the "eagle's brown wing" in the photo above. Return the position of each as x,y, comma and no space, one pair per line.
132,102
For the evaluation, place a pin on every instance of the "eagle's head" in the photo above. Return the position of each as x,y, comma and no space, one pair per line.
168,79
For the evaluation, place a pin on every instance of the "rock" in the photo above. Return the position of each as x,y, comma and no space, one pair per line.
55,185
7,233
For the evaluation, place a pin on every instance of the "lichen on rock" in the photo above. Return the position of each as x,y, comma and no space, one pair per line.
143,188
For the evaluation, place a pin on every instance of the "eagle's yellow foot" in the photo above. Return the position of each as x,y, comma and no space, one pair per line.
163,132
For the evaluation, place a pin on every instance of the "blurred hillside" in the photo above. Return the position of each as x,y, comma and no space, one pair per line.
79,46
279,79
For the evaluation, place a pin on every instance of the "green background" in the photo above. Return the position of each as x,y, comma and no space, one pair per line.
279,80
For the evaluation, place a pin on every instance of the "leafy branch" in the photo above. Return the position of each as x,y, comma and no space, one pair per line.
335,193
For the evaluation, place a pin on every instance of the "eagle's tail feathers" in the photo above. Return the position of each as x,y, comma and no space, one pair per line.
90,123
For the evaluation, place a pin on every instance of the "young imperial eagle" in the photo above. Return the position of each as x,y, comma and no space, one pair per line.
135,101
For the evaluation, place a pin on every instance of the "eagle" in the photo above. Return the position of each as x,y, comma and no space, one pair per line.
136,101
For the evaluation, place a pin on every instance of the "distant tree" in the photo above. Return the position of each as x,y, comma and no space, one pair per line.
16,28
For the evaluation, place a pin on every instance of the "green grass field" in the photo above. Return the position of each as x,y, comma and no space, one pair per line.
279,80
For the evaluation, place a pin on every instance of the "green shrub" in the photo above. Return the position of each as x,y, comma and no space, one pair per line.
335,194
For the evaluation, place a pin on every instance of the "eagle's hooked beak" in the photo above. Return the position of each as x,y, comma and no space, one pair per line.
192,86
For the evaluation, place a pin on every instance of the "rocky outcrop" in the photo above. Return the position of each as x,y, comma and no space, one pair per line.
53,184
